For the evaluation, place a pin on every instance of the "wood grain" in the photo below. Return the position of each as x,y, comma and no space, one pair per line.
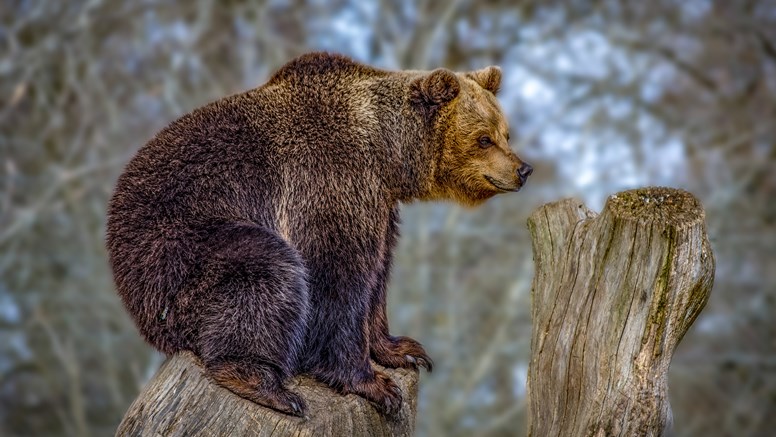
613,295
181,401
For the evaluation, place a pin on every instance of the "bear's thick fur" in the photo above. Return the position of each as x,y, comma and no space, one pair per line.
257,231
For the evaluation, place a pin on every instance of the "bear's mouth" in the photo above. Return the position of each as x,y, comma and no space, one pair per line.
499,186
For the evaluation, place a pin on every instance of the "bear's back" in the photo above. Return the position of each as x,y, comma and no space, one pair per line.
208,154
233,158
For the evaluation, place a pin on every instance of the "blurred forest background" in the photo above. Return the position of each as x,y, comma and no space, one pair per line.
601,95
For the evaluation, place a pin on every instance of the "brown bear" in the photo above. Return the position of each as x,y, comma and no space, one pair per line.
257,231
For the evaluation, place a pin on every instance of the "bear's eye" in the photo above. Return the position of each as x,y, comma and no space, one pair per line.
485,141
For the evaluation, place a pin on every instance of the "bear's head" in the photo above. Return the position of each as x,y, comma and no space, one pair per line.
473,159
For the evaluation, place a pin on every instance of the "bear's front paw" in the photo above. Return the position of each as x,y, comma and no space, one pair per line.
404,352
381,391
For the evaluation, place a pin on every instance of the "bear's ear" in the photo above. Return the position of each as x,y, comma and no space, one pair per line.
488,78
438,87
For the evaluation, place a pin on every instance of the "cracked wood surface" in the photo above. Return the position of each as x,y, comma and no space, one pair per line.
181,401
613,294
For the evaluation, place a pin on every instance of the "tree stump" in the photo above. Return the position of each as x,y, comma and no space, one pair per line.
613,294
181,401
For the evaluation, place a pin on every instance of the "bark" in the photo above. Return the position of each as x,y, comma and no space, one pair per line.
181,401
613,294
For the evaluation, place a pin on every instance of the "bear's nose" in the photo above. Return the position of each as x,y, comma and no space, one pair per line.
524,171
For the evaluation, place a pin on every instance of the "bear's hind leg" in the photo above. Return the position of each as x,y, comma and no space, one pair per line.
257,382
254,316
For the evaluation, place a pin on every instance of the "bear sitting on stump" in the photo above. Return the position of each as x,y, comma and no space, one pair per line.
257,231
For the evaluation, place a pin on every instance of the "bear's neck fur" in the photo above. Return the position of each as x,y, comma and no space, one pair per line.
408,140
413,140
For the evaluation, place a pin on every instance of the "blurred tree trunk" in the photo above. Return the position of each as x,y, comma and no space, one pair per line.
181,401
613,295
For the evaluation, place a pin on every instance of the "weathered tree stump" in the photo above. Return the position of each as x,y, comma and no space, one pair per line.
181,401
613,294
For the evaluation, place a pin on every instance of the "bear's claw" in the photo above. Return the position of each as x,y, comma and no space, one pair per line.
381,391
401,352
291,403
422,361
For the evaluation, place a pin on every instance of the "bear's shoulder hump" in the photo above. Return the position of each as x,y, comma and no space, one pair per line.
321,63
